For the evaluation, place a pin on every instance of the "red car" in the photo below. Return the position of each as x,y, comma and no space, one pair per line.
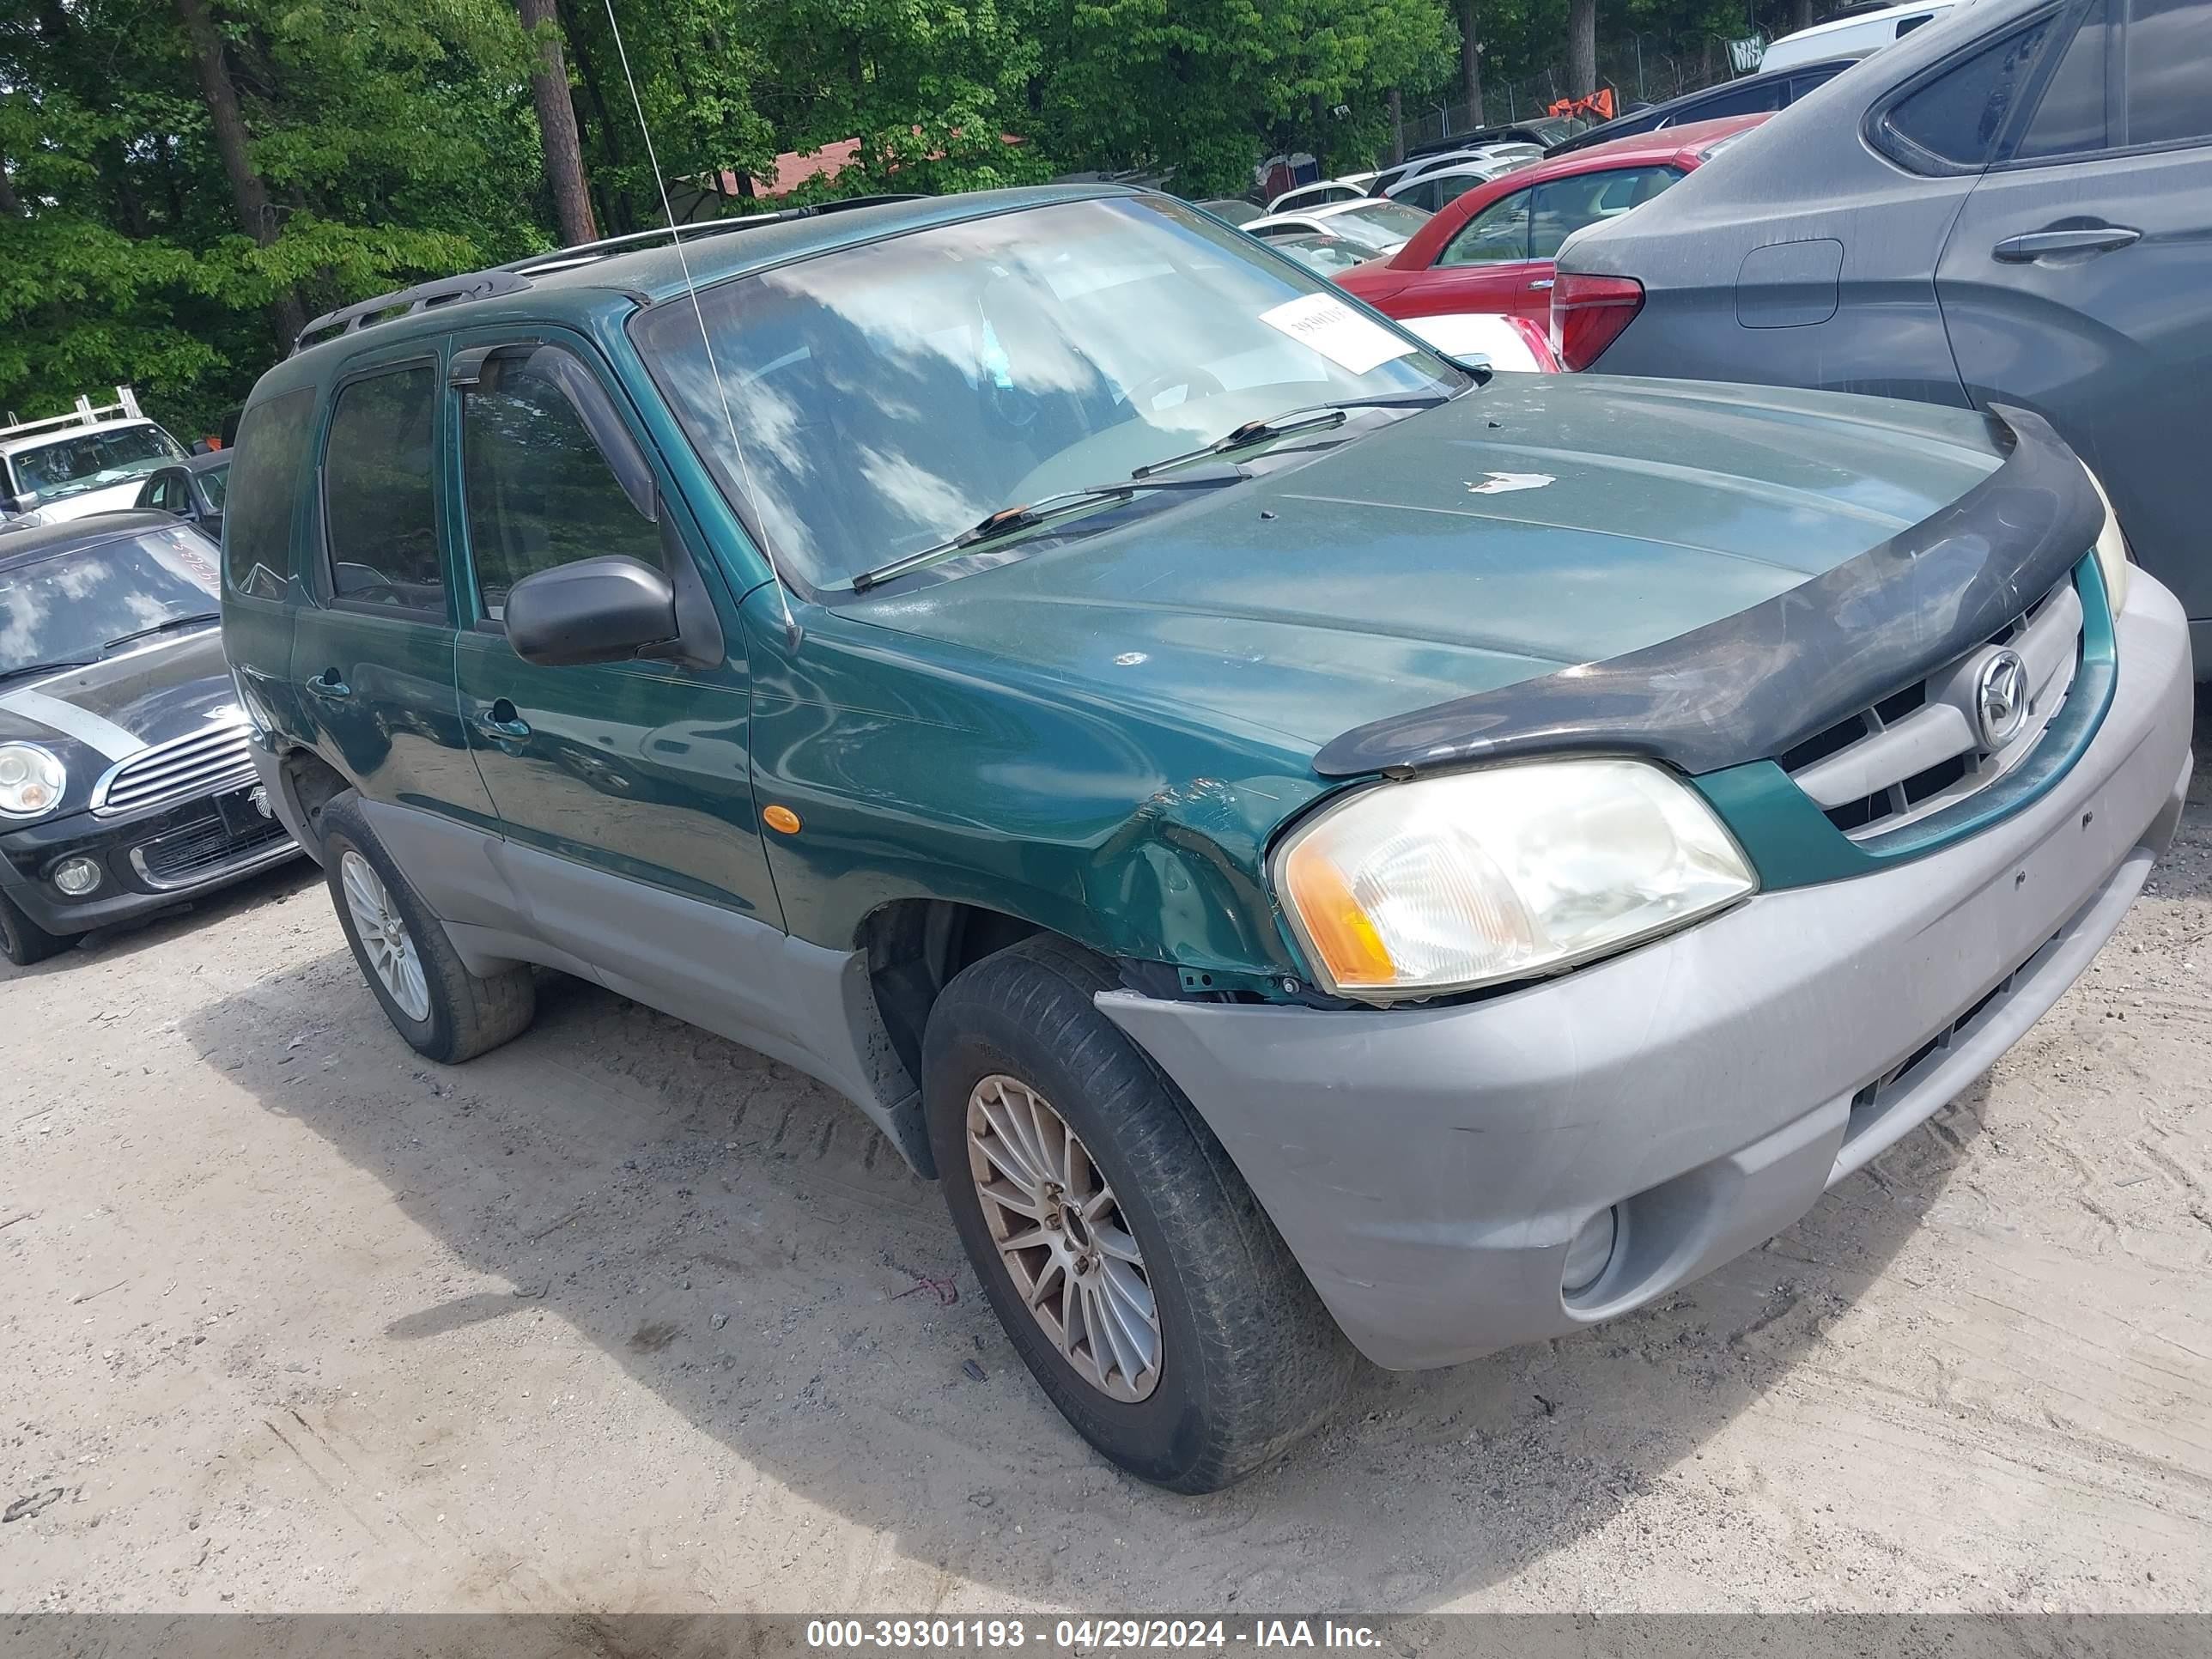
1490,249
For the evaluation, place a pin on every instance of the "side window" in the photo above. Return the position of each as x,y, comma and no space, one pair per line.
1564,206
2071,119
539,492
257,530
2169,61
1958,116
378,494
1744,100
1497,234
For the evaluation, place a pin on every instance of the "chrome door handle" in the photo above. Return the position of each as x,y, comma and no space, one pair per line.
328,684
2083,238
502,720
1542,282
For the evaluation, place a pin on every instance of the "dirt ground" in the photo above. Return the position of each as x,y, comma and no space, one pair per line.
624,1318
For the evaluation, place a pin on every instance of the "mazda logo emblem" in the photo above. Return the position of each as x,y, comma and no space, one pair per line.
1999,697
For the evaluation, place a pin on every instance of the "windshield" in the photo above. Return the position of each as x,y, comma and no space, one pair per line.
1383,226
892,395
71,606
91,457
1325,254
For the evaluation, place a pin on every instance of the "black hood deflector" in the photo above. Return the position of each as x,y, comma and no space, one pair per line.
1747,687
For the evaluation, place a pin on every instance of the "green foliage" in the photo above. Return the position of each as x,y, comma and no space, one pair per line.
397,139
1202,85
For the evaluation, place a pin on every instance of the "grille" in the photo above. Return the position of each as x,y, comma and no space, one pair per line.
1919,749
205,763
198,844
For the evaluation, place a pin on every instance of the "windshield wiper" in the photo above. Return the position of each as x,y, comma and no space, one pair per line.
1313,416
22,669
163,627
1008,520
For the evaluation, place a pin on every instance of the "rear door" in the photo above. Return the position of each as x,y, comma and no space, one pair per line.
1483,267
2077,279
624,776
372,649
262,590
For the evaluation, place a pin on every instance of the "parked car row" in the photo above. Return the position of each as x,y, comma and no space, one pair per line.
1490,249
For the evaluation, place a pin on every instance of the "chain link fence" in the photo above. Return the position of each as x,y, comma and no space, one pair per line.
1640,69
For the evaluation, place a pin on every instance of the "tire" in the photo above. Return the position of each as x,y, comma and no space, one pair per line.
1248,1360
459,1016
22,941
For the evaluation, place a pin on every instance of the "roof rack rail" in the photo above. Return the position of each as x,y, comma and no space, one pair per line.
444,290
514,277
585,252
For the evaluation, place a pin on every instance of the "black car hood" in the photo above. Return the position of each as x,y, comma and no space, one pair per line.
90,718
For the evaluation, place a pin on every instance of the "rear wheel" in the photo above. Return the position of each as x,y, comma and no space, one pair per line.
444,1011
22,941
1133,1270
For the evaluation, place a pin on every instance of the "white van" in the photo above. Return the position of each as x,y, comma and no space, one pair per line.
1856,36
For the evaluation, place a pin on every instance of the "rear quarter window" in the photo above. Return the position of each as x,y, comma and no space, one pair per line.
265,487
1957,117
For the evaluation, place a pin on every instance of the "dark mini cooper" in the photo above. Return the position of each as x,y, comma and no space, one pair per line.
1316,849
125,783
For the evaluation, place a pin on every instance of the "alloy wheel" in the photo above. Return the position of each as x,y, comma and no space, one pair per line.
384,936
1067,1245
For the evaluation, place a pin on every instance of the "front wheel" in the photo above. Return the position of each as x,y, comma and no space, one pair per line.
22,941
1133,1270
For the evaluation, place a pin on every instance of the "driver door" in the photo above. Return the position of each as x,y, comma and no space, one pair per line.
631,781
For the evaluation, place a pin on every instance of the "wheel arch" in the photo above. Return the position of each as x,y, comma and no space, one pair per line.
914,946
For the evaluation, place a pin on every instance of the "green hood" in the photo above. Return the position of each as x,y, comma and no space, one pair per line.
1533,524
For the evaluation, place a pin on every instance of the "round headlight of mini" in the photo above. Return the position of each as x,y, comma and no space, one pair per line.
1449,883
31,780
2112,547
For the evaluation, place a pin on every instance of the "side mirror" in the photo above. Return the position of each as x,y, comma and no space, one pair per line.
606,609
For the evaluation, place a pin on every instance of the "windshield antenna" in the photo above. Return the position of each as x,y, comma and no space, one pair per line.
691,292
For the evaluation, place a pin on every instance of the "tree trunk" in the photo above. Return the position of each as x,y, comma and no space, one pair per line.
11,205
1470,58
248,194
1581,47
556,125
1801,14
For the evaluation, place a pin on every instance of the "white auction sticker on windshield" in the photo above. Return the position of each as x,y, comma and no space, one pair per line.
1337,331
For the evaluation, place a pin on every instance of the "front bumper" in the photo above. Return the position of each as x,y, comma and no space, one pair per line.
148,862
1429,1167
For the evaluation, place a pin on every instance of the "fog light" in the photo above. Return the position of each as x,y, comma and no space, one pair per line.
77,877
1591,1251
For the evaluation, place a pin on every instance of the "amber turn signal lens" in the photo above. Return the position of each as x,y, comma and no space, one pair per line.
782,818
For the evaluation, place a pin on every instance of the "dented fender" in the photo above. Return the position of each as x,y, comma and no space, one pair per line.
1139,834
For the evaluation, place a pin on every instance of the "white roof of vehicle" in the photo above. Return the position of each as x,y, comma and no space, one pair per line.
1842,37
53,434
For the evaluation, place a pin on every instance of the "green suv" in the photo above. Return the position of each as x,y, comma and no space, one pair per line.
1318,848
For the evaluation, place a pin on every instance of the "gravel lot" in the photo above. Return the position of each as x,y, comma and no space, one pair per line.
624,1318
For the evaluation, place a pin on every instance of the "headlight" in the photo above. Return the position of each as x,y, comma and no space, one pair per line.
2112,548
1444,883
31,780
